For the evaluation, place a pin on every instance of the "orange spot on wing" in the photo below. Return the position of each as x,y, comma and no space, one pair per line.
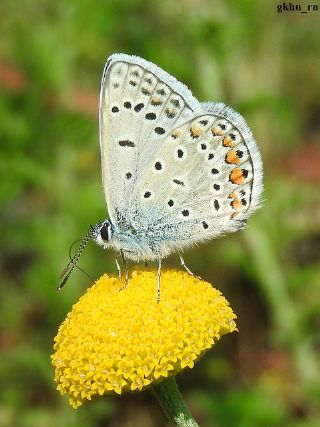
227,142
195,130
236,176
176,133
236,204
217,132
232,195
232,157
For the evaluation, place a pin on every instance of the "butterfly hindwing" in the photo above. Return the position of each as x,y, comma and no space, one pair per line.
201,182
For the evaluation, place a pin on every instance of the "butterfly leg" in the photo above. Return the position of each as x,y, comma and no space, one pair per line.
183,264
158,280
125,267
118,268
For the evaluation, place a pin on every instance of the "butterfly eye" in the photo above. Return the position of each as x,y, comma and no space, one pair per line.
104,232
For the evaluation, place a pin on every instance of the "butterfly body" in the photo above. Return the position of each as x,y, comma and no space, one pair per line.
142,245
137,246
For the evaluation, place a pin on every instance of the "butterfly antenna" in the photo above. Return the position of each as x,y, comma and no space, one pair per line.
71,246
70,257
66,272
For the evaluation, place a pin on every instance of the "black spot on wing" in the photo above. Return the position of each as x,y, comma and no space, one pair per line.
175,102
158,166
138,107
159,130
161,92
126,143
178,182
150,116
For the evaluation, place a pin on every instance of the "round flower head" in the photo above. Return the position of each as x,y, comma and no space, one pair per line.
114,342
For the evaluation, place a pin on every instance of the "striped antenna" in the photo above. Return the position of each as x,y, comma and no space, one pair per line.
66,272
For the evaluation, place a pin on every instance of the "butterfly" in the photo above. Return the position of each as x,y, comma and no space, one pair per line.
175,171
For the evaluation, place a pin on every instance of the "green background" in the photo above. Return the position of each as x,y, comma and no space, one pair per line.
263,63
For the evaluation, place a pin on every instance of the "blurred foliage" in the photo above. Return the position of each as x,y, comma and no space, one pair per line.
243,52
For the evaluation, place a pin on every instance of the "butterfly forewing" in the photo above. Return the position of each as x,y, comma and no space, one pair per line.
138,108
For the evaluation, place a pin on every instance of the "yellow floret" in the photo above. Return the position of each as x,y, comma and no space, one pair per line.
114,341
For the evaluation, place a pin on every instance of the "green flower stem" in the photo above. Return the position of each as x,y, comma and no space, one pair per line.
171,402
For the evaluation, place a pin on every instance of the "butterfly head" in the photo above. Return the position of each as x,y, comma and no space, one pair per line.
103,233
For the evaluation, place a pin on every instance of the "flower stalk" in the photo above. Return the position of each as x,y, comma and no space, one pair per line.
170,400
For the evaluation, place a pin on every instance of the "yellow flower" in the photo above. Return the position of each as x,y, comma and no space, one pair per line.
114,342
